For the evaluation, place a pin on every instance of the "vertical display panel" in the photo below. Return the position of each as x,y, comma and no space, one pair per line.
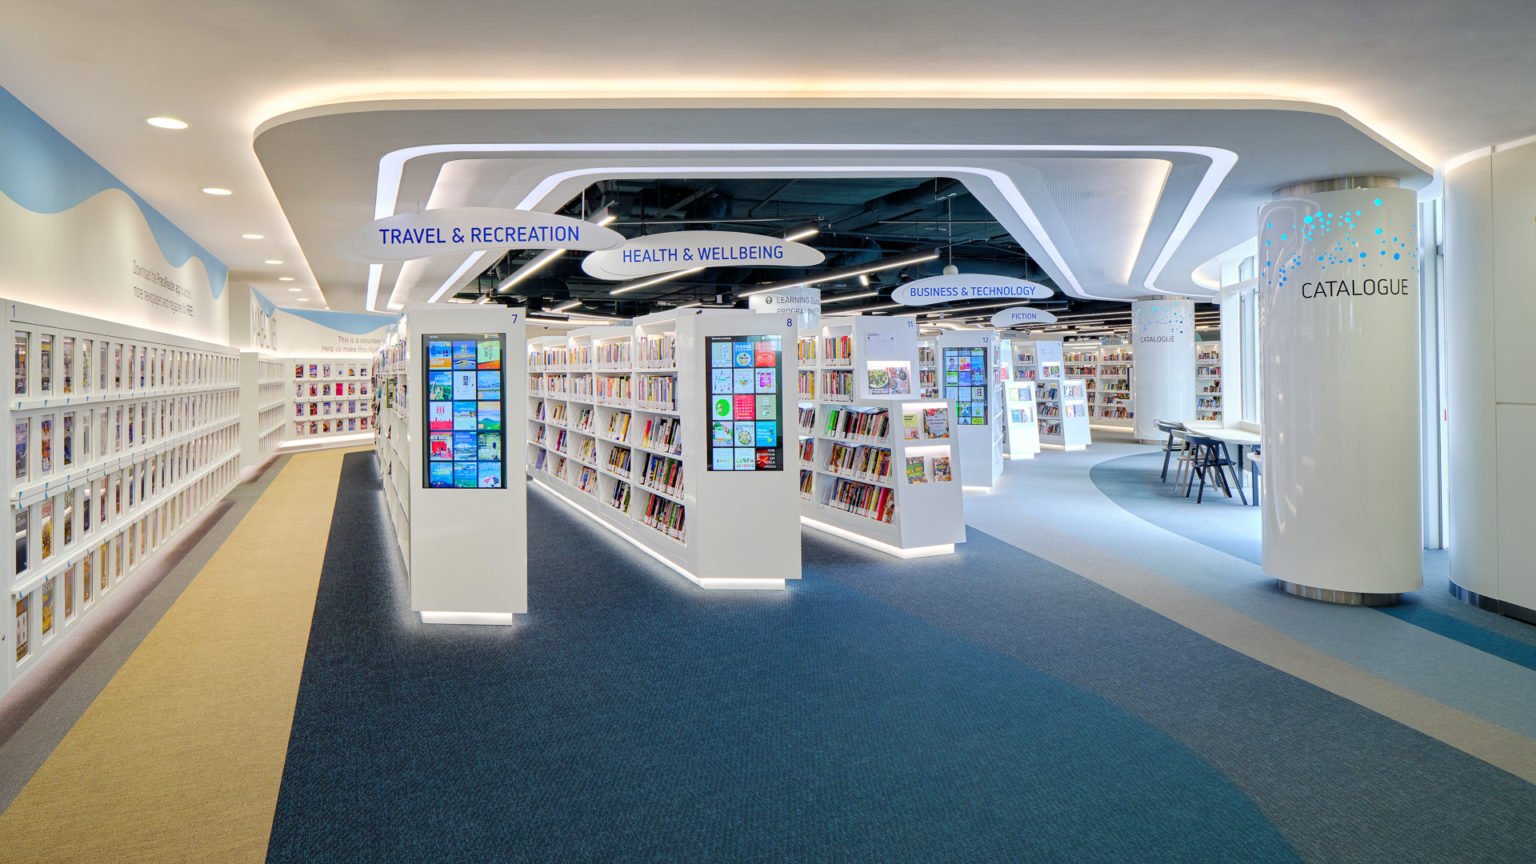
463,408
746,401
965,384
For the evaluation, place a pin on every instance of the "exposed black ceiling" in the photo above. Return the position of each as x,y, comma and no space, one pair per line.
861,222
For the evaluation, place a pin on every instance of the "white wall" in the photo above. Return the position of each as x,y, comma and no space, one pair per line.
1490,314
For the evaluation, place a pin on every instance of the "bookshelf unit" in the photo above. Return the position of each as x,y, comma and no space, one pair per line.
1208,381
882,472
121,437
640,448
1114,406
1063,409
329,400
463,541
1023,439
927,369
1025,366
968,381
263,399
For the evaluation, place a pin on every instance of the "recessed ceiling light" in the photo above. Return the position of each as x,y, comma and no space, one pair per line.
295,290
253,236
216,190
166,123
303,299
285,278
272,261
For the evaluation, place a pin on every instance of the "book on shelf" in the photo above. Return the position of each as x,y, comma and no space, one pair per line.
863,499
916,471
936,422
941,471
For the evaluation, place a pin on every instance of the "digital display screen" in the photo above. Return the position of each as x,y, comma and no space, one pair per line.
746,399
965,384
464,407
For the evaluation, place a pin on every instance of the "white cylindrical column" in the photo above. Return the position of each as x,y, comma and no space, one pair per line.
1339,325
1163,351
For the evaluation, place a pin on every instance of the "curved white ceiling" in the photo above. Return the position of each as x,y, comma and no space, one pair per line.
1113,202
1466,78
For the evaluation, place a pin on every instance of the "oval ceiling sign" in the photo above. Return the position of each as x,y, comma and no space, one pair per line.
1021,316
956,287
467,229
685,250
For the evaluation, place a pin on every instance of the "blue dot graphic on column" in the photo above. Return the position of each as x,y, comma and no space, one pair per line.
1377,202
1396,256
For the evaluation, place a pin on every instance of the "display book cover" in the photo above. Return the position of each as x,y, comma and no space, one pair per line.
464,405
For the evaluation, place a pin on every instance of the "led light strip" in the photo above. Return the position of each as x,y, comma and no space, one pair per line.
392,169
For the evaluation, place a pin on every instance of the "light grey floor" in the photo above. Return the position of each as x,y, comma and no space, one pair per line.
1050,507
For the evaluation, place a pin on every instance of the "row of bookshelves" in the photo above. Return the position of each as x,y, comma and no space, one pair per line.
627,462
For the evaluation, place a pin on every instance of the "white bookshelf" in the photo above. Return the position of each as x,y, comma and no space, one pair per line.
883,473
968,381
1113,406
122,437
1063,409
330,400
1025,365
927,368
1023,438
263,400
1208,381
464,544
620,425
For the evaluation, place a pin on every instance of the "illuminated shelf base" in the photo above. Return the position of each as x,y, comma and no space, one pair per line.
707,582
502,619
878,546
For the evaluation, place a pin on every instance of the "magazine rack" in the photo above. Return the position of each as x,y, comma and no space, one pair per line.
122,438
329,400
262,404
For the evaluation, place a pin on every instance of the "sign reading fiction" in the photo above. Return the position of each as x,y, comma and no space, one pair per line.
968,286
685,250
965,384
466,229
746,403
465,397
1019,316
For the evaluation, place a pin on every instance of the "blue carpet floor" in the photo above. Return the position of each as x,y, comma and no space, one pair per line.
983,707
1222,524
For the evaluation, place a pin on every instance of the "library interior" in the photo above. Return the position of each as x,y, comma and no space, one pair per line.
727,445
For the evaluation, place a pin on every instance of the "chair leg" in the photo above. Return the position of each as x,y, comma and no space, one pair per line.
1167,452
1201,497
1239,484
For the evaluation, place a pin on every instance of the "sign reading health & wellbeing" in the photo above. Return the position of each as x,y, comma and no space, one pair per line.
955,287
686,250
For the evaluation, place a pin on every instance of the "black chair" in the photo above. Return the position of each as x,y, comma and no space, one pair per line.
1170,427
1211,456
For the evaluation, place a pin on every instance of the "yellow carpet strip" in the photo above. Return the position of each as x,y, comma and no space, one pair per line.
180,757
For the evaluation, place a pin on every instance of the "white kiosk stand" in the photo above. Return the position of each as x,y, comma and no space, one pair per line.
966,381
465,495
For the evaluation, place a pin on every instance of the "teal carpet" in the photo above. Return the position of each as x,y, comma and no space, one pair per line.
982,707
